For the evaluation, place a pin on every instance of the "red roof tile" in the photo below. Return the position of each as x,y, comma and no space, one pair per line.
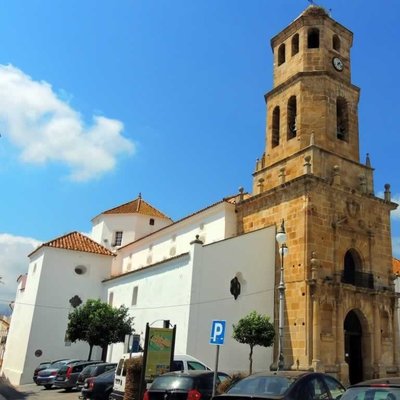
77,242
137,206
396,266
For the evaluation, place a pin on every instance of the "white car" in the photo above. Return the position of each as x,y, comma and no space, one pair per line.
181,362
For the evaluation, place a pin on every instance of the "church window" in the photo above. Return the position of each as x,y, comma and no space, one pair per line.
281,54
292,115
118,238
336,43
151,222
295,44
313,38
275,126
342,119
134,295
349,273
80,270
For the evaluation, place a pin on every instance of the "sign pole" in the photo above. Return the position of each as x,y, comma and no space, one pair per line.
217,338
215,371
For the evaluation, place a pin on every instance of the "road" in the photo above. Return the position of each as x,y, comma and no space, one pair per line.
35,392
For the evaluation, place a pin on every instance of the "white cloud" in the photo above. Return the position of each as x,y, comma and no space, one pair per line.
47,129
13,262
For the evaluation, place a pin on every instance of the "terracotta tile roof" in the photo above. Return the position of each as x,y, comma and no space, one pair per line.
230,199
137,206
396,266
77,242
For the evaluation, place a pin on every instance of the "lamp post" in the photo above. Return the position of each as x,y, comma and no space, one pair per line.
283,251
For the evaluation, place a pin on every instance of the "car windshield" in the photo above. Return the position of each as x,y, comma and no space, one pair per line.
170,382
274,385
56,365
371,393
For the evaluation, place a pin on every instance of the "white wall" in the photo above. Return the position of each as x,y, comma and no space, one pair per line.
212,224
133,226
40,317
250,257
163,293
194,289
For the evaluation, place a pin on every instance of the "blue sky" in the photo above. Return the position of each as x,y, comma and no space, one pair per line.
101,100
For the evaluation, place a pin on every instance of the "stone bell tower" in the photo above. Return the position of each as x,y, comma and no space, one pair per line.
339,305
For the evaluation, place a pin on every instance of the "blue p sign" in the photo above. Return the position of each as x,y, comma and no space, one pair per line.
217,332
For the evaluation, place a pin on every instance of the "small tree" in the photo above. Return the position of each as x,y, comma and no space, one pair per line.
99,324
254,330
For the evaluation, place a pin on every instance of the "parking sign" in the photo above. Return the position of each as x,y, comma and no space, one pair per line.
217,332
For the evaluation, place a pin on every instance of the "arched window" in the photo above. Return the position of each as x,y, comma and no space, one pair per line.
281,54
275,126
342,119
349,272
291,118
295,44
313,38
336,43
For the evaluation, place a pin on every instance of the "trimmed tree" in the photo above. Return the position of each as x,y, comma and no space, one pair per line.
255,330
99,324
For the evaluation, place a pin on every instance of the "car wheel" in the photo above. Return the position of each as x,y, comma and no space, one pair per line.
48,386
68,389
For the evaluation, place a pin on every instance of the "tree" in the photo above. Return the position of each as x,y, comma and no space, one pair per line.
99,324
254,330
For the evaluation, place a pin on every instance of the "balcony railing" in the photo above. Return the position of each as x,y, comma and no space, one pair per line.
359,279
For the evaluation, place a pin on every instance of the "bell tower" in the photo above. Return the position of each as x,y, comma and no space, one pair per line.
339,305
313,102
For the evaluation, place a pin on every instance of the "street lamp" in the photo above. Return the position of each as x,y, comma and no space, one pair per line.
283,251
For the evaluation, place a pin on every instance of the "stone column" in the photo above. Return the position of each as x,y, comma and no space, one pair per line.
316,362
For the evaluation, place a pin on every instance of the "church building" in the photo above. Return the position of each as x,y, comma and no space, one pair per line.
332,297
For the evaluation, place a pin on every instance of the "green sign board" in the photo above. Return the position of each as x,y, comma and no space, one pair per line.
159,352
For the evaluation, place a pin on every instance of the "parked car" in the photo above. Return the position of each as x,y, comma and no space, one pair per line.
40,367
67,375
181,362
92,371
98,387
44,365
191,385
47,376
293,385
374,389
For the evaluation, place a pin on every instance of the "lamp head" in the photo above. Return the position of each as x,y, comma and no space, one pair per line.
281,233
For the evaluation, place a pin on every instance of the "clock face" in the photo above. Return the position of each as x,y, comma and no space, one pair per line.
337,63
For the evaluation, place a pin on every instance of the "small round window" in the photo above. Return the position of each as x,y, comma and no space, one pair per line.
80,270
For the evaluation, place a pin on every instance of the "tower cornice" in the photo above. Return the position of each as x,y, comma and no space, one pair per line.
315,74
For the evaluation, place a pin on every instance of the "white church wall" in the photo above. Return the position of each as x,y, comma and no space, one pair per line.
192,290
21,322
43,325
251,258
211,225
163,294
133,226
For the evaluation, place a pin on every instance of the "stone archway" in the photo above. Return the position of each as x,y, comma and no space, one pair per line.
353,343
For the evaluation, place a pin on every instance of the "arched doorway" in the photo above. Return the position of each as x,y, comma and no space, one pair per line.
353,344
